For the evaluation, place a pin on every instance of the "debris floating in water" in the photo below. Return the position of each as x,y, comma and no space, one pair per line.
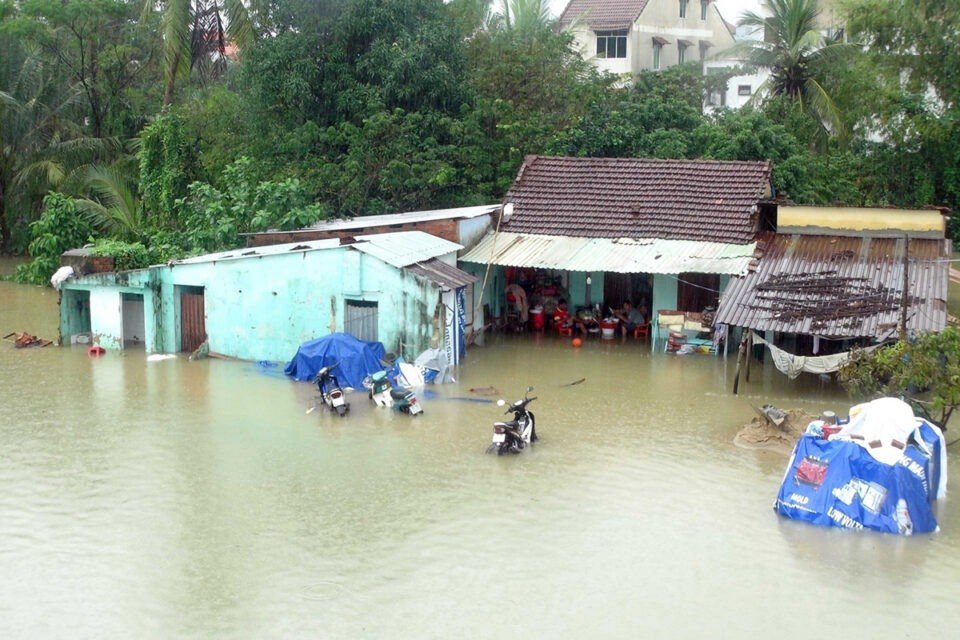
484,391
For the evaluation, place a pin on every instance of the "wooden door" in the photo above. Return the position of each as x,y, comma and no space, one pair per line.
193,329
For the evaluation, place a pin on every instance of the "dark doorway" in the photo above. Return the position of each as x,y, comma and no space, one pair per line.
620,287
134,332
697,291
193,327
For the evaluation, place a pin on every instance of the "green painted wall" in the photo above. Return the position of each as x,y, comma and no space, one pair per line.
577,287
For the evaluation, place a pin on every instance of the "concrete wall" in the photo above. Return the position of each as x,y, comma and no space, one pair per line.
660,19
577,287
263,308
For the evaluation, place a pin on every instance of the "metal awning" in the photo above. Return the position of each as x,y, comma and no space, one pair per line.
441,273
616,255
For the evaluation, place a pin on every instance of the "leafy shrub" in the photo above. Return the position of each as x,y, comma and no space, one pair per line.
126,255
925,371
60,228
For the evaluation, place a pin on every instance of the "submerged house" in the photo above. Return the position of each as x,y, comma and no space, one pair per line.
606,230
261,303
831,277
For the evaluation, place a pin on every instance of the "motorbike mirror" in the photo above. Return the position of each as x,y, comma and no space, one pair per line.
529,389
501,402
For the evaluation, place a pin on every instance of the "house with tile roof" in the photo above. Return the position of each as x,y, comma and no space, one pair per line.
629,36
606,230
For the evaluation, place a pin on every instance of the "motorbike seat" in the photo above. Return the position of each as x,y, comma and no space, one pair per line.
513,424
398,394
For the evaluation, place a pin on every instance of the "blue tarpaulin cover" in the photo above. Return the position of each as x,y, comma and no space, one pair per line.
839,483
355,358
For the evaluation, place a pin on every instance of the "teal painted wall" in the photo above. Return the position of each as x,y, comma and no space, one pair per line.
106,307
263,308
664,293
577,287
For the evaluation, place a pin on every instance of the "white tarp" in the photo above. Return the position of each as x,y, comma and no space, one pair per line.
793,365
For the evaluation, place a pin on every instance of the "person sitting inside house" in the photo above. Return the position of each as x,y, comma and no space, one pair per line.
561,316
630,318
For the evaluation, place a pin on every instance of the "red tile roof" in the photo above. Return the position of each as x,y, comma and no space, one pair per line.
603,14
638,198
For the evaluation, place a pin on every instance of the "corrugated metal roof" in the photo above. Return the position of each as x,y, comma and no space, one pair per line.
270,250
362,222
442,274
865,298
398,249
404,248
617,255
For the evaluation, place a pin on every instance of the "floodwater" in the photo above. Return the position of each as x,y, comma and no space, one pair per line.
200,500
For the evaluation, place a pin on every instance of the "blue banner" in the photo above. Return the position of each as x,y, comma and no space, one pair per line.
838,483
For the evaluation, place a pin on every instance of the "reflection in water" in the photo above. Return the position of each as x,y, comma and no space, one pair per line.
198,500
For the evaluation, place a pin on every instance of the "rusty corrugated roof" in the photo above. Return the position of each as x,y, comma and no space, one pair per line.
441,273
638,198
618,255
603,14
839,287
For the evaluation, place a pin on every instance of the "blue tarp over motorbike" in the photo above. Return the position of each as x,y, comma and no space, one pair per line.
841,482
355,359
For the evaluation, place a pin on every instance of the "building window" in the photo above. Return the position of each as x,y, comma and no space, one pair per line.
743,90
361,319
683,8
612,44
657,48
681,53
703,9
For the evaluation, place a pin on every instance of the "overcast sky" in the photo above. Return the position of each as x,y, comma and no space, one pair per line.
729,9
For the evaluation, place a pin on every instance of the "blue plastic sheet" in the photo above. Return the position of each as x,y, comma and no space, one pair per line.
355,359
838,483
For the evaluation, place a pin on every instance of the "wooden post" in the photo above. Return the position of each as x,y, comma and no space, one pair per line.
904,296
736,376
748,357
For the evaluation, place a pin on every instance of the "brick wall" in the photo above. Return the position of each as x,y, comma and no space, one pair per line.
446,229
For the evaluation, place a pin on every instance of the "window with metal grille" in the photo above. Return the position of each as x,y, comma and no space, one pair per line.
612,44
681,53
657,48
683,8
361,319
703,9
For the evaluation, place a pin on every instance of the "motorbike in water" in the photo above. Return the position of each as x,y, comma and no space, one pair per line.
519,433
383,394
331,395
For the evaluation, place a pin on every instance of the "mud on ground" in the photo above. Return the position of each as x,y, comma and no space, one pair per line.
760,433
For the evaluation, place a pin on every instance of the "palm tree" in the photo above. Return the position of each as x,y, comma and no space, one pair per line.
196,33
797,55
112,205
40,139
525,17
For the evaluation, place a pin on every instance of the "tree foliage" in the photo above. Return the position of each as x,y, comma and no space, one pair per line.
924,370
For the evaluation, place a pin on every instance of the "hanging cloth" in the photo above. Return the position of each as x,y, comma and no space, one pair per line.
793,366
521,300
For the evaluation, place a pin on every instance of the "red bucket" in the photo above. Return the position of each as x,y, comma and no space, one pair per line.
536,319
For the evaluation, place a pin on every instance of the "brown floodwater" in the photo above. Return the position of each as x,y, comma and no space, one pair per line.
199,500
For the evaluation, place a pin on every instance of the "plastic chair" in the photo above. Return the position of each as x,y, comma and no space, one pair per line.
642,330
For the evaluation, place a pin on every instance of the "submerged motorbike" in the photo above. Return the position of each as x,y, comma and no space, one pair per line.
331,395
519,433
383,394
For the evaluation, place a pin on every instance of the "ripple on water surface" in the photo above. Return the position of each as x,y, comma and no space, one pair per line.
198,499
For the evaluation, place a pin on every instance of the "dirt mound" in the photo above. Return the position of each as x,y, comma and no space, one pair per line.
760,433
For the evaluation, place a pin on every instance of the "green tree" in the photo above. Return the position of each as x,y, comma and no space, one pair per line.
925,371
797,55
60,228
100,49
195,35
39,139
